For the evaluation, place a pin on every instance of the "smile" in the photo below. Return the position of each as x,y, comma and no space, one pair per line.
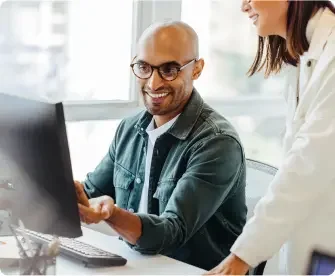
156,96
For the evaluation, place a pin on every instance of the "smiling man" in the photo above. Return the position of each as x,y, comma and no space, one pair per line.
176,172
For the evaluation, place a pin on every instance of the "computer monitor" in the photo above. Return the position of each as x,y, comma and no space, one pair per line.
35,158
321,263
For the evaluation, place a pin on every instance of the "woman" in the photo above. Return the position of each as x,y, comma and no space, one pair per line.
298,212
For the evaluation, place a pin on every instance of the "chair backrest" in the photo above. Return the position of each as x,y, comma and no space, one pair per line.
259,176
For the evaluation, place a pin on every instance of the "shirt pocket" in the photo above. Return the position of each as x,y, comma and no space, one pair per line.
123,183
163,193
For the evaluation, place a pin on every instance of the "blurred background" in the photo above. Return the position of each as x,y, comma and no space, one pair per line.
79,52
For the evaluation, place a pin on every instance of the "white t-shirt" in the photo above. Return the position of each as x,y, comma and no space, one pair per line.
153,134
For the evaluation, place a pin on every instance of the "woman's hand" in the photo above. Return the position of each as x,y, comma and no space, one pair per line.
232,265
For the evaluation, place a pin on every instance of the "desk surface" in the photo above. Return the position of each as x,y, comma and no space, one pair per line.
137,263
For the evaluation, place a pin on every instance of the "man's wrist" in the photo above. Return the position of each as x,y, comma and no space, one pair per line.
126,224
114,213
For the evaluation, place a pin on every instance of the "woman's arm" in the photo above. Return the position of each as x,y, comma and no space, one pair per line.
305,175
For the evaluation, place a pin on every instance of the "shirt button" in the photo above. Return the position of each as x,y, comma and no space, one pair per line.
138,180
309,63
131,210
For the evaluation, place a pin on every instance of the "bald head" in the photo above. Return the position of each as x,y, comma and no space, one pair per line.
176,38
166,64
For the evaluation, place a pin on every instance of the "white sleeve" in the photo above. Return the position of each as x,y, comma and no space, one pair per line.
306,173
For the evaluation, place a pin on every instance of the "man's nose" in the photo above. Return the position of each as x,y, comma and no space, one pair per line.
155,81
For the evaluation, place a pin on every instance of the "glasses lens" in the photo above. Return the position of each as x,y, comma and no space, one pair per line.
169,71
142,70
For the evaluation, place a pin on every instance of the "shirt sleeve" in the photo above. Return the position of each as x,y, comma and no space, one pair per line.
305,175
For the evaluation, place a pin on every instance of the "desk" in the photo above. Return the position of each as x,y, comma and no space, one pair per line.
137,263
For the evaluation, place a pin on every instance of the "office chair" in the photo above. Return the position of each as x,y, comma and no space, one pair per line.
259,176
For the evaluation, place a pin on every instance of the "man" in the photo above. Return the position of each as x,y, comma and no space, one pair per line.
175,171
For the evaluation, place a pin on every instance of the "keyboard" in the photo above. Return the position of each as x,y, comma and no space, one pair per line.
83,252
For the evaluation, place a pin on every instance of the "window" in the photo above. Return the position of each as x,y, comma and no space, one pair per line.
89,141
66,50
96,55
77,52
228,44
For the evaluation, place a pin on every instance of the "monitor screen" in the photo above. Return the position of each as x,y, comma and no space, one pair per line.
35,158
322,264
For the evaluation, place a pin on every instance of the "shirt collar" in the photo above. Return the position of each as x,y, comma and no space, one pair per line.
188,118
319,28
312,23
184,124
154,133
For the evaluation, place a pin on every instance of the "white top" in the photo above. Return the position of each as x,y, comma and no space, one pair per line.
153,134
297,213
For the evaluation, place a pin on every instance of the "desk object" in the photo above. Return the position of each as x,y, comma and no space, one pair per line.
321,263
39,263
18,254
89,255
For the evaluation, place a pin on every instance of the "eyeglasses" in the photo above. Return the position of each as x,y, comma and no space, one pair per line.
168,71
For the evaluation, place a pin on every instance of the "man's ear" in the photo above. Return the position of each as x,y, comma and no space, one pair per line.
199,66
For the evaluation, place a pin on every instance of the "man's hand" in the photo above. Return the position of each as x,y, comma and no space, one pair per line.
81,195
232,265
99,209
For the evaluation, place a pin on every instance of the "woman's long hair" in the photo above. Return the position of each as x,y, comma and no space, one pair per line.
274,51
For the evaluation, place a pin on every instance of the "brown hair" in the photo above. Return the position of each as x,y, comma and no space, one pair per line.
274,50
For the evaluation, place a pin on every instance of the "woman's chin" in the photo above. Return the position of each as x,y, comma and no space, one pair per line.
262,33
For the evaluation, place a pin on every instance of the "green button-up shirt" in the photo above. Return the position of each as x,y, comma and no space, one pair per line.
196,201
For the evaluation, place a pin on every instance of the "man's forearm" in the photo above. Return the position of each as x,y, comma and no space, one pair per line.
126,224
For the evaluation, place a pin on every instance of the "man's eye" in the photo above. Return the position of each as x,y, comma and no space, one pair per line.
169,70
144,68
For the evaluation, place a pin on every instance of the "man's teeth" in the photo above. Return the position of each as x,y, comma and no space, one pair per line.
157,95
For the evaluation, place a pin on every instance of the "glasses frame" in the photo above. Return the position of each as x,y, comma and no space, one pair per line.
158,71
